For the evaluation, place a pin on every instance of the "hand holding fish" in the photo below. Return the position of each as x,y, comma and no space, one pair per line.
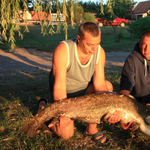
114,118
64,122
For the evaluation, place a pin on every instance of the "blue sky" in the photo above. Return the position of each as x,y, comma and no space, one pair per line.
105,1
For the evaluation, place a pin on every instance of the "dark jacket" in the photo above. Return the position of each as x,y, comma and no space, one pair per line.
136,76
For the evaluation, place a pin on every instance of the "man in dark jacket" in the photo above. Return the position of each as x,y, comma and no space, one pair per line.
135,79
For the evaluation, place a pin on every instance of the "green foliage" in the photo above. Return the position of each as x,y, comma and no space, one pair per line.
106,12
123,8
139,26
89,17
10,15
93,7
11,11
28,2
101,9
109,10
65,17
110,43
78,13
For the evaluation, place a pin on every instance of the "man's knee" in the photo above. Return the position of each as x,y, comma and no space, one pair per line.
66,132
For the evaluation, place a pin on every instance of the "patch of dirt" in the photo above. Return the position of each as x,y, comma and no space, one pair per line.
27,60
30,60
116,58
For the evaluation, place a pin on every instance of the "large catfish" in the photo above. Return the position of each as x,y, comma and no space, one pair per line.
92,109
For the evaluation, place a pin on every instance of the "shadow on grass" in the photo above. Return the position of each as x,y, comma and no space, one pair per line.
24,82
24,59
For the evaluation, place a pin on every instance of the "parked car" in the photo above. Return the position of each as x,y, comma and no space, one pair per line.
116,22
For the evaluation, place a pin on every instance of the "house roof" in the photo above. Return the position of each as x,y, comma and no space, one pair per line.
39,15
142,7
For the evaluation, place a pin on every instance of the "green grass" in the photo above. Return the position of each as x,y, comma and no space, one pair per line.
18,102
34,39
123,41
20,91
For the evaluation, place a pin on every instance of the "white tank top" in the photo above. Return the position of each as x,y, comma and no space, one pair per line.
78,75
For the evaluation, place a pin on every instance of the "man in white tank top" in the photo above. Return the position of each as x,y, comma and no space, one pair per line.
86,46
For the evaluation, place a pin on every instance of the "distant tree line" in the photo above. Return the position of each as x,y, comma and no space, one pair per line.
120,8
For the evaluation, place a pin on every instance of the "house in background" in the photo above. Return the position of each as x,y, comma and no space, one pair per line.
142,10
36,17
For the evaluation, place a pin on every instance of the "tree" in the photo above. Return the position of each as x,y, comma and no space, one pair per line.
106,11
29,4
10,18
92,7
123,8
78,13
89,17
101,8
139,26
109,11
11,11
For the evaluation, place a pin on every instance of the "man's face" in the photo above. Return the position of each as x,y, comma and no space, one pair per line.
145,47
89,44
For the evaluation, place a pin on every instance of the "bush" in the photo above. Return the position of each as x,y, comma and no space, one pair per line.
139,26
89,17
78,12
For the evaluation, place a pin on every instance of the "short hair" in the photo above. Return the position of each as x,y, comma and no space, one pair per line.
89,27
146,33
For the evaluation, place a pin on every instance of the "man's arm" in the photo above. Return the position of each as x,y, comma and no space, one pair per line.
100,83
60,58
99,74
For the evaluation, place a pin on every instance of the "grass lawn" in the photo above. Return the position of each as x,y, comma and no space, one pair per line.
18,102
20,91
123,40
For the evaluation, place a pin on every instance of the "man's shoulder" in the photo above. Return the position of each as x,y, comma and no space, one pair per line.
70,41
133,56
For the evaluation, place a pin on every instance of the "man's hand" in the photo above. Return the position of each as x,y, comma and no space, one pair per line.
114,118
63,122
127,126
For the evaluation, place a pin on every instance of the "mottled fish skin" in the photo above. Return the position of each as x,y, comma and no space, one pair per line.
92,109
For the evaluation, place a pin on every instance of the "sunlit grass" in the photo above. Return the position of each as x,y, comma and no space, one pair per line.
18,102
